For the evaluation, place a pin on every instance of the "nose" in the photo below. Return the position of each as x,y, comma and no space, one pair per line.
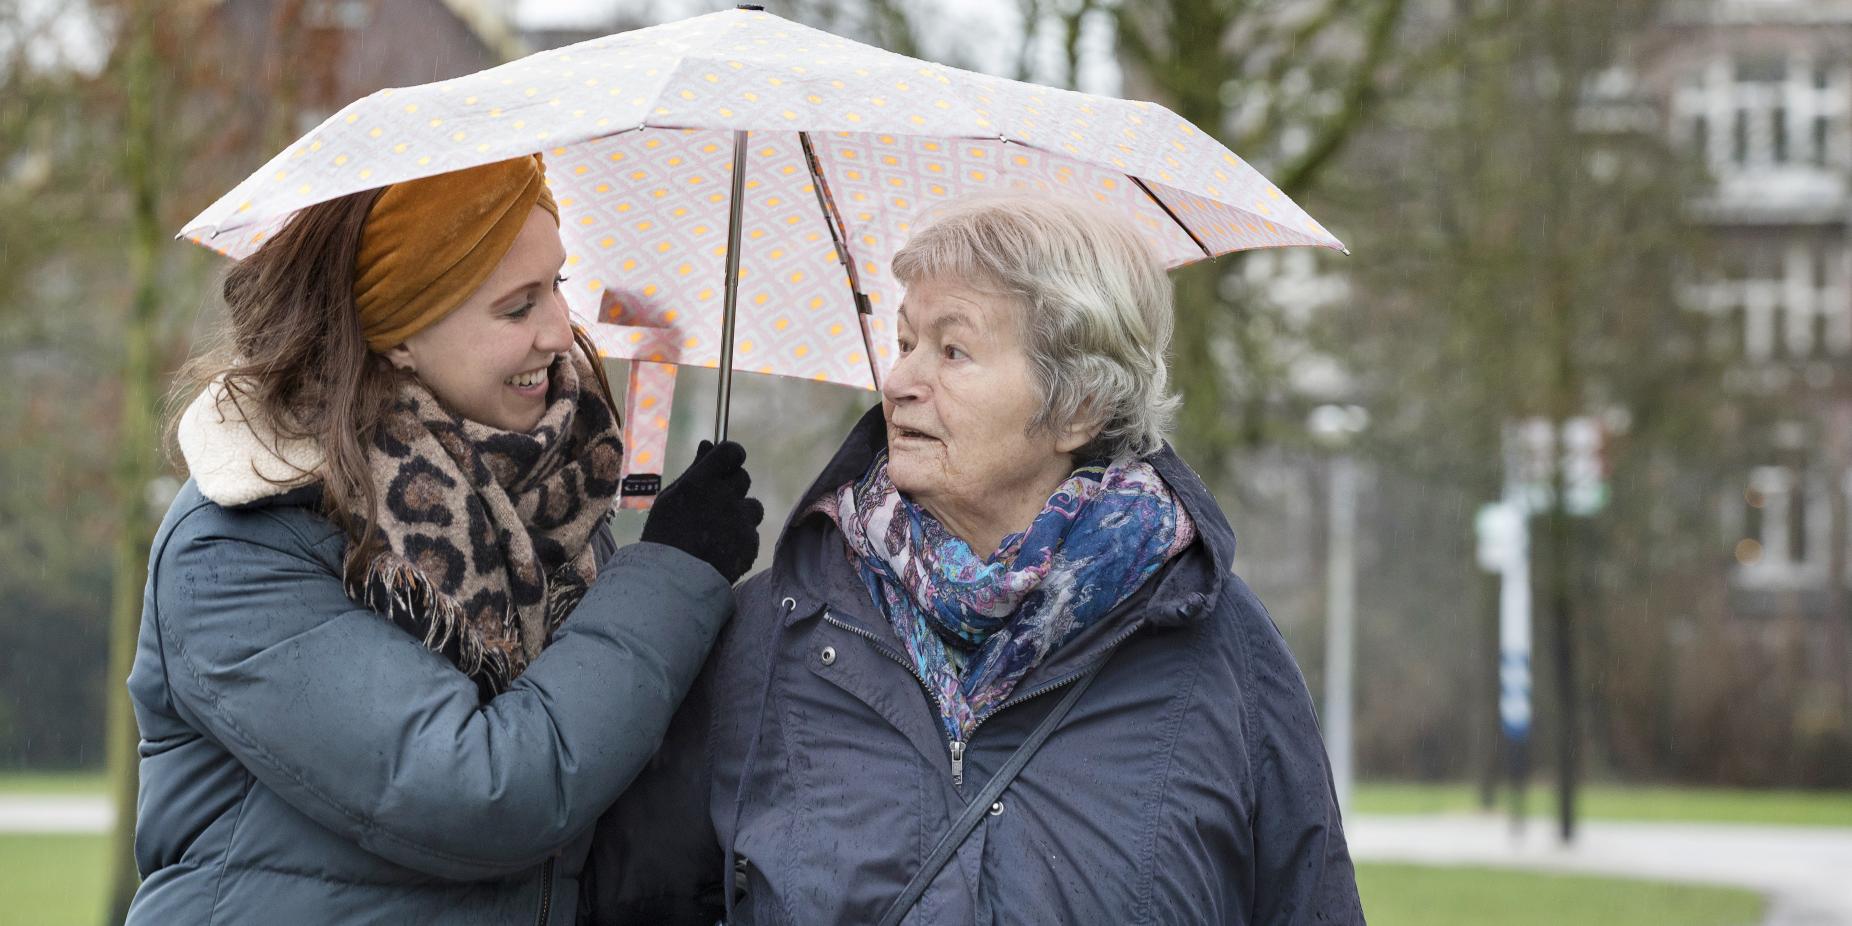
555,334
904,381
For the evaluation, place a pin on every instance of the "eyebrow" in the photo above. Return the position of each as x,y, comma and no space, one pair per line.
948,320
521,289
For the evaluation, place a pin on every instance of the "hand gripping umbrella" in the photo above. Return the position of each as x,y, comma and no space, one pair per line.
733,186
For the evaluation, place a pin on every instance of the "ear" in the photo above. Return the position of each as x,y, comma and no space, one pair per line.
401,357
1072,437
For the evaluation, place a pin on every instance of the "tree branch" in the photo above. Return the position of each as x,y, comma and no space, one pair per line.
1358,97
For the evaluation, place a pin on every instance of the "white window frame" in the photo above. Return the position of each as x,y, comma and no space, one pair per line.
1802,312
1778,567
1716,96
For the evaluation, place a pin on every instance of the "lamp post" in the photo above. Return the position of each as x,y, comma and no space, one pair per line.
1336,427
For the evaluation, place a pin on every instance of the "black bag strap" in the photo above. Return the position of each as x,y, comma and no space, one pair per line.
993,789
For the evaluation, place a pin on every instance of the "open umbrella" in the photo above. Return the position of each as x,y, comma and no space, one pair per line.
733,186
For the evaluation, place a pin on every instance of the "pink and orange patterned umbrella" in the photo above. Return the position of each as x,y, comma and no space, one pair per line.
839,146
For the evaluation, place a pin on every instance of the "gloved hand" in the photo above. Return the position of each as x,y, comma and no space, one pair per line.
706,514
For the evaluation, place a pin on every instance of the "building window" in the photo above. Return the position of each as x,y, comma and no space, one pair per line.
1779,300
1786,523
1765,112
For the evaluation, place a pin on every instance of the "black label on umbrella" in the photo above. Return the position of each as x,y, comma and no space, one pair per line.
642,484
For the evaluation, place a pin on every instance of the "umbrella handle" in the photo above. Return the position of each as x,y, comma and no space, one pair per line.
734,216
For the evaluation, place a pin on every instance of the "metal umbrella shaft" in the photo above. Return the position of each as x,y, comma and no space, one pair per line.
734,211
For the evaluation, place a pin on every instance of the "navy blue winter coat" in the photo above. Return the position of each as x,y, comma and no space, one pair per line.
1189,784
305,761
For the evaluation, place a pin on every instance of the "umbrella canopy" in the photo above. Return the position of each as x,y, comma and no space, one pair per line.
841,146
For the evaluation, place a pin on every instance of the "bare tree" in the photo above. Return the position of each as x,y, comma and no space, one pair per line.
1287,86
1526,219
174,105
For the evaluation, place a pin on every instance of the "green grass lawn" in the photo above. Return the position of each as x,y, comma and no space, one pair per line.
1599,802
1413,895
1617,802
51,880
51,783
58,880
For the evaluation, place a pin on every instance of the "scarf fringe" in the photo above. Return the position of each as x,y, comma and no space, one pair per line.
564,592
492,482
401,592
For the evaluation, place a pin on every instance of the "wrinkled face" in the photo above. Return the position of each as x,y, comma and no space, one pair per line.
958,404
487,360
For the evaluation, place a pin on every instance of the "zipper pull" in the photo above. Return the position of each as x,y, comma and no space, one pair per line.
958,763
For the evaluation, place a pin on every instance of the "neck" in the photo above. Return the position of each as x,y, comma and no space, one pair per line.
984,522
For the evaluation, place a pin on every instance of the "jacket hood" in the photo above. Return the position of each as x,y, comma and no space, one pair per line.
237,462
1182,590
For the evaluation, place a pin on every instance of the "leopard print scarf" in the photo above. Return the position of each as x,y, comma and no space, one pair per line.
484,536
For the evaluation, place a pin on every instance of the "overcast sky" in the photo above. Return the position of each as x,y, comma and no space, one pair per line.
979,33
985,33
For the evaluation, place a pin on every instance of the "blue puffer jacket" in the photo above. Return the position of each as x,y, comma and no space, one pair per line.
304,761
1188,786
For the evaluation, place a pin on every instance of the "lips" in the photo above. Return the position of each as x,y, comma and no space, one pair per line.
903,433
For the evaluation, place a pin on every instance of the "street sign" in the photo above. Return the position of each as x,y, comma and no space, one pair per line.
1504,548
1532,450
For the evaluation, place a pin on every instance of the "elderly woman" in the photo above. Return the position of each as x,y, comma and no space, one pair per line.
1000,669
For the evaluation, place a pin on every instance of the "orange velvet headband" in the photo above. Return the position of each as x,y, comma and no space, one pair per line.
429,243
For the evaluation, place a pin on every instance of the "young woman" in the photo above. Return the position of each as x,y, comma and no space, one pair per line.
391,666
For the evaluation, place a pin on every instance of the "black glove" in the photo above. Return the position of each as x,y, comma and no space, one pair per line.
706,514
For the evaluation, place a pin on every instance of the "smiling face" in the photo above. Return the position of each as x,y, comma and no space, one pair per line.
487,360
958,404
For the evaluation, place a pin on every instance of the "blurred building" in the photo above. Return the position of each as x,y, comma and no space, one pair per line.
1756,95
337,51
1760,93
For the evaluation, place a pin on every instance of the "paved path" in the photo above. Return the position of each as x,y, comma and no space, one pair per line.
55,814
1805,871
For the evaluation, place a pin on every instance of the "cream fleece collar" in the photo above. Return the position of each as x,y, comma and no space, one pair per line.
236,462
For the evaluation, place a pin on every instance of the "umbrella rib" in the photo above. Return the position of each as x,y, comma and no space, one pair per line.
832,218
1173,216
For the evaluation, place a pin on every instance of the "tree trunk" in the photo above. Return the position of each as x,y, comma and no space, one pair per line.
136,450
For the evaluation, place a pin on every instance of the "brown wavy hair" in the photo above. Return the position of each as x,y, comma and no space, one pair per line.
292,359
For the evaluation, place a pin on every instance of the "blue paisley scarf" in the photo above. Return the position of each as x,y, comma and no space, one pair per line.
974,627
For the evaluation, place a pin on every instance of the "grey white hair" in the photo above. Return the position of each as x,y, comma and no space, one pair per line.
1095,306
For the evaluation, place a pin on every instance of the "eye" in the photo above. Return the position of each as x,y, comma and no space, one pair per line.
954,352
520,311
558,281
906,347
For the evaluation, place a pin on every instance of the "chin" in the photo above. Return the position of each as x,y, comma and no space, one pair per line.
907,475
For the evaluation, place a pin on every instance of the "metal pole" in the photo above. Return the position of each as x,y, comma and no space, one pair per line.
1568,725
1340,619
1514,656
735,208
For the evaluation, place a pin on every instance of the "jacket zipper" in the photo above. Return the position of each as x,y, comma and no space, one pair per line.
546,891
957,747
1106,651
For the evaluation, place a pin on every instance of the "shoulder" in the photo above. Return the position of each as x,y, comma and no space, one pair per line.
757,595
1266,680
757,610
294,528
1240,611
226,583
1251,659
